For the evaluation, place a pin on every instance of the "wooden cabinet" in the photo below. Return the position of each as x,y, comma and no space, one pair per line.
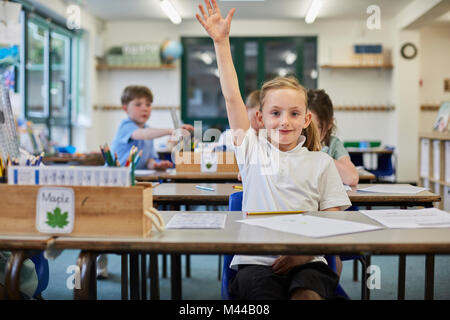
434,165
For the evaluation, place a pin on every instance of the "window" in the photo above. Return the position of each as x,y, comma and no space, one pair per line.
47,65
256,60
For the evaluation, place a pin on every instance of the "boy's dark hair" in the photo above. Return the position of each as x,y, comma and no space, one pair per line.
132,92
320,103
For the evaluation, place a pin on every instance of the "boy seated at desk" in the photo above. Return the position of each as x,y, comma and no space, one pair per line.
133,131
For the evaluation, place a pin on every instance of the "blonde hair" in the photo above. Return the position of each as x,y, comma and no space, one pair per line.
253,100
311,132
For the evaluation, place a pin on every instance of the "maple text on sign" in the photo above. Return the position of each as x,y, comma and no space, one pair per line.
55,198
55,210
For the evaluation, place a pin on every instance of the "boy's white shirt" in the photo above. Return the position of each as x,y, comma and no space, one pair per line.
274,180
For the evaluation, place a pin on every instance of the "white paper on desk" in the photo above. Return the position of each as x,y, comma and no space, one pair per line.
393,189
402,218
310,226
347,188
143,173
197,221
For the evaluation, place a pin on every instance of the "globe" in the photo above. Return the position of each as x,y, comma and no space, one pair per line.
171,51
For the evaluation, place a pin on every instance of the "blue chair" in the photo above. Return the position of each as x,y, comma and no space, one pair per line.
357,159
12,276
42,271
235,204
385,167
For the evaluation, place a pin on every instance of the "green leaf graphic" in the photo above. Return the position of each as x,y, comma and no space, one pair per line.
208,165
56,219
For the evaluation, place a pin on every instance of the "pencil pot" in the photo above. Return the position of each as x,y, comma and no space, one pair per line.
78,211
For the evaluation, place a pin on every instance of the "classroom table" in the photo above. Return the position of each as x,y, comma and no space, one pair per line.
365,176
174,176
21,247
188,194
91,159
238,238
373,150
171,175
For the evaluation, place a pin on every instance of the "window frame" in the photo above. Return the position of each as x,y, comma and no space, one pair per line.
239,63
46,118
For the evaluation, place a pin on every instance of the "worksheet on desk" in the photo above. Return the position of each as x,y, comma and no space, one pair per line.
403,218
393,189
197,221
310,226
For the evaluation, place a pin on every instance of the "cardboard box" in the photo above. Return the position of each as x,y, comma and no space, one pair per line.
98,211
206,162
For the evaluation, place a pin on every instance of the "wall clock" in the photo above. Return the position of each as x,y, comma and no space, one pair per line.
408,51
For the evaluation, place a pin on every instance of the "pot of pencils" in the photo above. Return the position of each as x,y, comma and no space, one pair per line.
132,160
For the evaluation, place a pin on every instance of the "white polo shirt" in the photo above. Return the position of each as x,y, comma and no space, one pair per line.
274,180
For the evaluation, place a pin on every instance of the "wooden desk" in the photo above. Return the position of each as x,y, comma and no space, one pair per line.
360,198
172,175
365,176
92,159
238,238
22,247
375,150
187,194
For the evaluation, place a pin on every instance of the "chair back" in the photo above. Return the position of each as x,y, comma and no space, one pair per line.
42,271
234,204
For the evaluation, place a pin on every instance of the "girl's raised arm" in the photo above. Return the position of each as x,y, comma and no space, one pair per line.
218,29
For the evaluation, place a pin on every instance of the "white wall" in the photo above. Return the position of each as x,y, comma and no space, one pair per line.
398,87
434,68
335,41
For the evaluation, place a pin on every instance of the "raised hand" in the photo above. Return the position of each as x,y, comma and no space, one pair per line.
217,27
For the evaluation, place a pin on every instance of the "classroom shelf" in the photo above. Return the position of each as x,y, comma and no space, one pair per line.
136,67
434,164
116,108
363,108
356,66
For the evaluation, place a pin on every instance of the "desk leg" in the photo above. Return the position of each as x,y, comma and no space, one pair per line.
154,277
175,274
429,277
364,280
164,266
124,276
12,276
355,270
401,276
188,265
143,276
87,262
134,276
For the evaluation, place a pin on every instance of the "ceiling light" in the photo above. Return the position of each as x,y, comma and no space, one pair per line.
290,57
170,11
313,11
206,58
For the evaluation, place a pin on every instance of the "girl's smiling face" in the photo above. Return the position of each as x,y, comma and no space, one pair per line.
284,115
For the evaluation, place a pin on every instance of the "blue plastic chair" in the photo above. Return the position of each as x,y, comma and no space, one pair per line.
235,204
42,271
385,167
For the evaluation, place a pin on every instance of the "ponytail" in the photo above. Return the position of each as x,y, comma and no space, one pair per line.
312,135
